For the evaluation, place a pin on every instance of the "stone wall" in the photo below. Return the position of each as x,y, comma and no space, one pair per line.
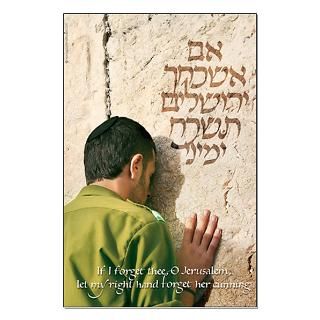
84,92
190,80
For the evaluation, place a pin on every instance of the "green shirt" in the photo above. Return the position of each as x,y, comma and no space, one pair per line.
104,237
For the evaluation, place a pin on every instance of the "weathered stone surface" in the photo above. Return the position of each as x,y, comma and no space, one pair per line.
84,92
139,48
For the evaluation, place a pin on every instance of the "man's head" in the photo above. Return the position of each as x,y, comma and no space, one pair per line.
121,150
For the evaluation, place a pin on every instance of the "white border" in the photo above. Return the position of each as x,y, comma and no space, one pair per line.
31,158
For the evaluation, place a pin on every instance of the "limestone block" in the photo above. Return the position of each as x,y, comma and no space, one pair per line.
84,92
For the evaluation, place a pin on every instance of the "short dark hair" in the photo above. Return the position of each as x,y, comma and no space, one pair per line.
106,155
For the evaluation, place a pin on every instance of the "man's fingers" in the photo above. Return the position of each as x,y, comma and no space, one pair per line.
189,228
202,223
207,237
214,242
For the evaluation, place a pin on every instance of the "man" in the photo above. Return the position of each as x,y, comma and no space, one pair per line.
118,252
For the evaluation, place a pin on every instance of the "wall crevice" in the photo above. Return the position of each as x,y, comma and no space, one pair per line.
106,36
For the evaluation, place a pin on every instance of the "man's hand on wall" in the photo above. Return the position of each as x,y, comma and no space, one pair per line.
200,241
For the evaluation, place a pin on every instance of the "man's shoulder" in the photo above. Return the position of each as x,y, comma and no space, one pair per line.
156,215
108,206
141,213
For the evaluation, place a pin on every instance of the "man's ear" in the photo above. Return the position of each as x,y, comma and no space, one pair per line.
136,166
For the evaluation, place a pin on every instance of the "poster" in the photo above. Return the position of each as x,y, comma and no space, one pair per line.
190,80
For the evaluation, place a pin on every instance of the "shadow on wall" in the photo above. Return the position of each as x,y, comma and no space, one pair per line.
166,188
168,179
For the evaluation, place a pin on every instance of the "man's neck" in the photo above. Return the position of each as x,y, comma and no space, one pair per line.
117,185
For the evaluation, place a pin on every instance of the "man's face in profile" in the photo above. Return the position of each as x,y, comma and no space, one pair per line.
142,190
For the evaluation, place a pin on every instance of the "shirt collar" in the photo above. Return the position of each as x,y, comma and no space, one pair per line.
94,190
